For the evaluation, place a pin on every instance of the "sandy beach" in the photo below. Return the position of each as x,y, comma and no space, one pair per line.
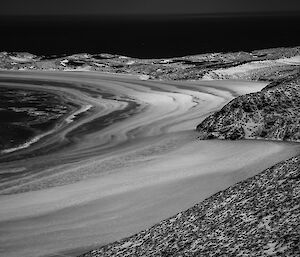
96,180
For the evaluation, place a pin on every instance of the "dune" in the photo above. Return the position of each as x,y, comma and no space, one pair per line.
144,166
244,69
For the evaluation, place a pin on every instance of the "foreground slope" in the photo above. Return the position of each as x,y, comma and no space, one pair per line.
257,217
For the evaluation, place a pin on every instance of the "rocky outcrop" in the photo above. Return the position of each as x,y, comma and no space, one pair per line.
257,217
273,113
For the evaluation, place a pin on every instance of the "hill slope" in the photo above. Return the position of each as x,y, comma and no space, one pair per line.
273,113
256,217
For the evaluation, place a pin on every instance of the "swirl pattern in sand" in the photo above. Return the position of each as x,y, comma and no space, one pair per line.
123,158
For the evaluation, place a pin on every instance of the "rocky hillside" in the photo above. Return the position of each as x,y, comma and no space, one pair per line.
257,217
273,113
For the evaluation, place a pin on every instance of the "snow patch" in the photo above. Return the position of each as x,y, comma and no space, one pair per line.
144,77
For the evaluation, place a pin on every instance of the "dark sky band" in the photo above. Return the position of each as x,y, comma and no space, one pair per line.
141,7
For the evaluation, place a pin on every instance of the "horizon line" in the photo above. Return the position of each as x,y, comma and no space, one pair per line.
157,15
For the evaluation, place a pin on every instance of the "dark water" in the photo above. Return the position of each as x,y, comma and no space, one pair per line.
25,114
151,37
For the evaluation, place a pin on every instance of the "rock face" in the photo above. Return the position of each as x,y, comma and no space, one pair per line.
273,113
257,217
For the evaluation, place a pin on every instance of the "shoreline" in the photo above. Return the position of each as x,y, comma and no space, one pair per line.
67,121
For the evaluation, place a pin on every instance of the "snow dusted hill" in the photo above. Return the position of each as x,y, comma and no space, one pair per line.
273,113
260,64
